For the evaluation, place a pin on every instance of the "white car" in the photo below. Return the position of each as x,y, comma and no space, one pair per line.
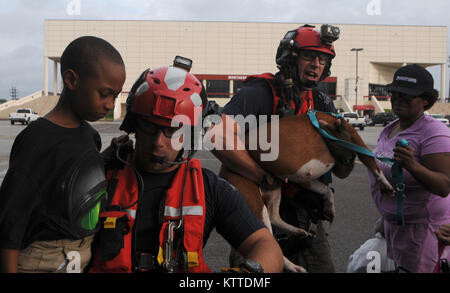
23,116
354,120
441,118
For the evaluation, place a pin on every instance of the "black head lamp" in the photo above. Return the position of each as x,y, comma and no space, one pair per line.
182,62
284,53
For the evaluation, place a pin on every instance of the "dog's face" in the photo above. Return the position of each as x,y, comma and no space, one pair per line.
339,129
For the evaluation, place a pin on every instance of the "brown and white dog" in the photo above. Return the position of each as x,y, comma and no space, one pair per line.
304,156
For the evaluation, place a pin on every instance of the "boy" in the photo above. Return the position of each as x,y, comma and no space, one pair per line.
50,196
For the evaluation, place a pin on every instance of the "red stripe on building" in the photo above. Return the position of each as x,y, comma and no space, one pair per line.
329,79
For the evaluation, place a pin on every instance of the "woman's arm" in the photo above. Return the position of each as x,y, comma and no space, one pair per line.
433,171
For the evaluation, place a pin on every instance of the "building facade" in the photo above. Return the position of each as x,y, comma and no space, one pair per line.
224,53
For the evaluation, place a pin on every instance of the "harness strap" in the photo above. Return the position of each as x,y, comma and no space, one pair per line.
111,188
146,262
442,264
397,175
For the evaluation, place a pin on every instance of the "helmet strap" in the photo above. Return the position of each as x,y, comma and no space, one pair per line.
289,91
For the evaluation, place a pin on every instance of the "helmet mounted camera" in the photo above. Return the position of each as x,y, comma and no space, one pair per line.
329,34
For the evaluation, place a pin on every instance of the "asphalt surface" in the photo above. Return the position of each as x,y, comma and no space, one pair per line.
355,211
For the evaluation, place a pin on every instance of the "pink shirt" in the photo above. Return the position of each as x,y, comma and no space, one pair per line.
414,245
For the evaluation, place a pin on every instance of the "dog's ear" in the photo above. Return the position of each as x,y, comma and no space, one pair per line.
336,125
323,123
341,124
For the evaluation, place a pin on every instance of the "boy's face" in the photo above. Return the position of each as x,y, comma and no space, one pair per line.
96,93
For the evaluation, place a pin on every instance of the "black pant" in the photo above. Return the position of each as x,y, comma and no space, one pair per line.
313,254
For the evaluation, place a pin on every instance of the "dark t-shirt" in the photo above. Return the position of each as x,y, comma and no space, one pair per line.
31,203
226,210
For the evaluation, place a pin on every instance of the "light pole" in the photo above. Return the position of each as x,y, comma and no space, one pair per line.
356,84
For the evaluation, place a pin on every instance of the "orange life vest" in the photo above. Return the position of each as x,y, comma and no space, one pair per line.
187,187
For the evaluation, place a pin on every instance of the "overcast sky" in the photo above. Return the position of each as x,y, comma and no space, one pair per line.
22,22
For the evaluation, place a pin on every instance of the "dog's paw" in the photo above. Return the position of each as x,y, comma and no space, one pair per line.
329,212
301,233
300,270
386,189
384,185
292,268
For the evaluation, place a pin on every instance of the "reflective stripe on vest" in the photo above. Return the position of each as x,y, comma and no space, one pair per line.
132,213
188,210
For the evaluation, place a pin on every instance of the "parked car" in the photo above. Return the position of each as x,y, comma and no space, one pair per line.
382,118
24,116
441,118
354,120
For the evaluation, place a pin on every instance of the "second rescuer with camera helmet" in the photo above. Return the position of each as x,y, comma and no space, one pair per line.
304,59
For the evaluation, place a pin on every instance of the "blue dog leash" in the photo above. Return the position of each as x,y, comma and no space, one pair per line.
356,148
397,175
396,169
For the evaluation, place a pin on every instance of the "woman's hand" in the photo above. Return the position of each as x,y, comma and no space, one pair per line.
404,156
444,233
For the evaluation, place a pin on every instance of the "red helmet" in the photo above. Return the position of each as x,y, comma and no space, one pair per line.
163,93
308,38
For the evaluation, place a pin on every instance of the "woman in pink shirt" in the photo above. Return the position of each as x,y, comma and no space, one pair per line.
426,172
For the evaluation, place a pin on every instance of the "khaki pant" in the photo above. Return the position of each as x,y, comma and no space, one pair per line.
56,256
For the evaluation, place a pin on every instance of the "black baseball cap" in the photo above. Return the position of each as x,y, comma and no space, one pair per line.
412,80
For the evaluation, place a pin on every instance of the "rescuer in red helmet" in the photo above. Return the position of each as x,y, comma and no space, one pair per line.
304,58
163,205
